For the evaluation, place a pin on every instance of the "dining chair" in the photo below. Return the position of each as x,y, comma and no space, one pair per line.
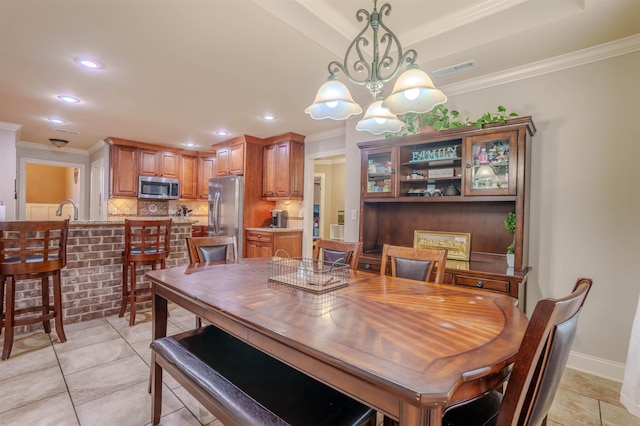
414,263
31,250
146,243
338,251
209,249
537,369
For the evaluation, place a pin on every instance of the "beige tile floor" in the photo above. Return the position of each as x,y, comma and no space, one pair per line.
100,377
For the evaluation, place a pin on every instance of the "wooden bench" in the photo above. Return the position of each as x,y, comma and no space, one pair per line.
241,385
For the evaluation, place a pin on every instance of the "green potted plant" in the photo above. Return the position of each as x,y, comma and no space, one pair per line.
441,118
510,226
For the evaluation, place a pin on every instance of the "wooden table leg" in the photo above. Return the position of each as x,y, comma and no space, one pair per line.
159,329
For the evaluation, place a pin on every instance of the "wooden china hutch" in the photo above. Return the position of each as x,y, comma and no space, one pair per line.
462,180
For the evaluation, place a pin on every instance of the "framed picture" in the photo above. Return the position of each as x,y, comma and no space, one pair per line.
458,244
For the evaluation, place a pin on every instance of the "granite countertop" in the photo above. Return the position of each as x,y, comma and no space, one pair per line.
120,221
267,229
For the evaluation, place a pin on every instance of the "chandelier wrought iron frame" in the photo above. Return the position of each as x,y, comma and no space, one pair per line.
383,68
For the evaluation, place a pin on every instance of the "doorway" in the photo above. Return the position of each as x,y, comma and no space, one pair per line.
329,181
44,184
318,204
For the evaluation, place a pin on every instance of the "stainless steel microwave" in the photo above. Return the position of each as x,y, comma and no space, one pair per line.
159,188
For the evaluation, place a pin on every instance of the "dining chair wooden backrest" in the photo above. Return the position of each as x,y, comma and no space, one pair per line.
338,251
537,369
414,263
209,249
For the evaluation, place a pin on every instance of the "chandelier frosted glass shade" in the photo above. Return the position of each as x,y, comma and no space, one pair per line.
378,120
413,92
333,101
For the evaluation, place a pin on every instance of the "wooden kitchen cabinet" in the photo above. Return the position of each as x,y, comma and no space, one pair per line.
256,211
265,243
206,170
123,171
283,170
188,176
159,163
230,160
199,231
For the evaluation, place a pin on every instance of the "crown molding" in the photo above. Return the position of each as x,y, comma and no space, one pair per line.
329,134
97,146
601,52
10,126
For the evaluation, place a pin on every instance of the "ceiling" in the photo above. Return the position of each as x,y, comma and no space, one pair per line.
175,71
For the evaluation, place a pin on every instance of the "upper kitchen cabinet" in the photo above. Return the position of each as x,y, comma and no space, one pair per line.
230,160
283,170
159,163
189,176
131,159
256,210
123,171
206,170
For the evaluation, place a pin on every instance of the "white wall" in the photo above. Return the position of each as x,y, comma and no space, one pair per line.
585,201
9,135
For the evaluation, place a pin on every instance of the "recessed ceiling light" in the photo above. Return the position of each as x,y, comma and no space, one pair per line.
268,117
190,144
55,120
222,132
89,63
68,99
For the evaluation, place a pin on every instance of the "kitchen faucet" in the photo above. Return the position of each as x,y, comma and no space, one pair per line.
75,208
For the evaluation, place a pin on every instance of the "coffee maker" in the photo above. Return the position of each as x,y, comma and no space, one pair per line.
278,218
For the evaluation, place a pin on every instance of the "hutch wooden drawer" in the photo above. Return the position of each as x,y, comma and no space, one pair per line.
447,279
266,237
366,265
483,283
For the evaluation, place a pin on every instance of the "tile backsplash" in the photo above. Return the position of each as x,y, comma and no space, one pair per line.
120,208
295,215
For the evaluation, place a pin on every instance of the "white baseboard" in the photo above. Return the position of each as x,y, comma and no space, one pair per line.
596,366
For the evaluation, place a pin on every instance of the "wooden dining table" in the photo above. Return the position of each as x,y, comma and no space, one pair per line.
406,348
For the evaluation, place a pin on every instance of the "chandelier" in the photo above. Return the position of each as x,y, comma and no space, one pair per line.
413,90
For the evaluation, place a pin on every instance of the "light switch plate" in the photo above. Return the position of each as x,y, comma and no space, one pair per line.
354,214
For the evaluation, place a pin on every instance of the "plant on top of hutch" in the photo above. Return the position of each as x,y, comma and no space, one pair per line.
458,180
441,118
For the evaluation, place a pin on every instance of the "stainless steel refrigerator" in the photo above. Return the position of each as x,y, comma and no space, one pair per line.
226,195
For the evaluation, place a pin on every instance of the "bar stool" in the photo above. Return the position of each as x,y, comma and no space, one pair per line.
146,243
31,250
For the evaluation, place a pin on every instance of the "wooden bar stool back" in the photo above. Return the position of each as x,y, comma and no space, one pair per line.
31,250
146,243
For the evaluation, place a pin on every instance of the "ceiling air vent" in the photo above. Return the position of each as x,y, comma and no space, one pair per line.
66,131
455,68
